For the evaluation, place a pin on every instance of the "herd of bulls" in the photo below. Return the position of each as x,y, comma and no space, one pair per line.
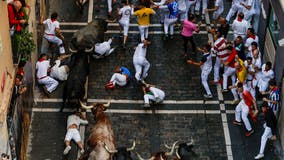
101,142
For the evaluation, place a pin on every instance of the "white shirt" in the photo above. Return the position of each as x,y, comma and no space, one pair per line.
125,12
257,6
74,119
219,48
240,28
250,40
162,2
50,26
42,68
207,61
140,51
266,75
257,63
58,72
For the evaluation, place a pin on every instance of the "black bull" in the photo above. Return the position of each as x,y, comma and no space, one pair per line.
88,36
75,84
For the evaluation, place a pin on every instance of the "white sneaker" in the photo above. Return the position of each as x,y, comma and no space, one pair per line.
259,156
208,96
66,150
158,100
82,151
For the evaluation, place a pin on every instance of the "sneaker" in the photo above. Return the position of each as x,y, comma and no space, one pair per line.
66,150
82,151
158,100
225,90
259,156
146,105
234,102
208,96
46,91
237,123
249,133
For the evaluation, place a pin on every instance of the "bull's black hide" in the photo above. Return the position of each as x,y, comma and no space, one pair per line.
74,88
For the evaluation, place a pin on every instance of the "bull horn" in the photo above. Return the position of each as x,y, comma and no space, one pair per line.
172,149
190,143
85,106
140,158
107,104
71,50
89,49
132,147
110,151
178,156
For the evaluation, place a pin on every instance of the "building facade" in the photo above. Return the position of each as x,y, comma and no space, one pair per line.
7,74
271,30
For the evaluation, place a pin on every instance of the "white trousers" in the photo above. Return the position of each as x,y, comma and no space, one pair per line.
56,40
217,66
50,83
242,111
189,7
157,93
141,63
229,72
234,8
143,32
125,25
198,4
204,78
119,79
72,133
169,22
266,134
255,22
109,6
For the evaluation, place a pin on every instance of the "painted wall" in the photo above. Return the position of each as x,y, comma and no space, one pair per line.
7,71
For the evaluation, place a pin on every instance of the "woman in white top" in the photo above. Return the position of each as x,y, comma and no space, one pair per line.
125,12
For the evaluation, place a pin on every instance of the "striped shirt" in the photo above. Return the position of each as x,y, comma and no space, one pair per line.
274,96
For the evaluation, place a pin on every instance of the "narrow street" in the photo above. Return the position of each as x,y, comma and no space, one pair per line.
184,114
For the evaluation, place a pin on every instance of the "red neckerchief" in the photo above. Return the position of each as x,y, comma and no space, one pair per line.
252,36
42,59
52,20
274,89
239,19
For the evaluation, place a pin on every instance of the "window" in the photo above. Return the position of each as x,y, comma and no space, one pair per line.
274,27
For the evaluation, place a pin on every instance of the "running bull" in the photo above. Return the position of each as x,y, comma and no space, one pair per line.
101,144
183,151
88,36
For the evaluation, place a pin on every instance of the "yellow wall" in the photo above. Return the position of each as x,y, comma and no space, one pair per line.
6,63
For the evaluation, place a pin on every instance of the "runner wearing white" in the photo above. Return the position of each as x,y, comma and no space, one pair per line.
125,12
163,12
257,8
248,9
154,94
140,62
59,72
42,67
103,49
50,34
236,7
266,75
205,71
240,27
171,17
